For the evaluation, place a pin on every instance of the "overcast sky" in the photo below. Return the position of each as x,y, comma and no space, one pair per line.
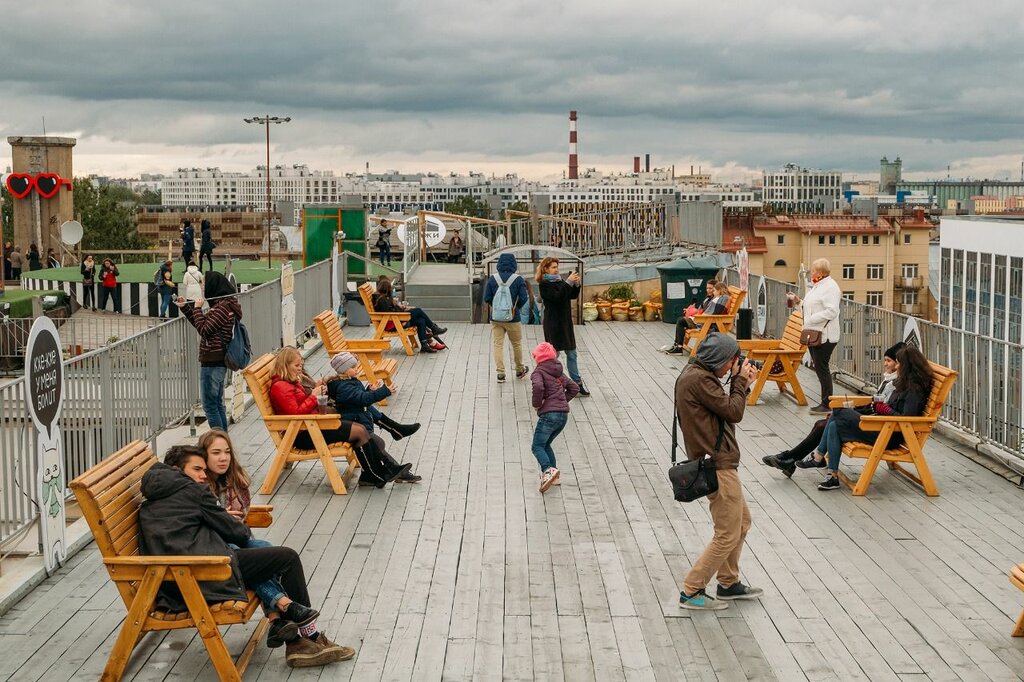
734,87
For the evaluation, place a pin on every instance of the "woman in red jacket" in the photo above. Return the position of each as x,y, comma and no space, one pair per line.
292,391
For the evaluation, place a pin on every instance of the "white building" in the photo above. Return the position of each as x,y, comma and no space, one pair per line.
802,190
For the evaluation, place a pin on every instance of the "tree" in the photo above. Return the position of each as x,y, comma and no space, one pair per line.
520,206
6,214
107,215
150,198
468,206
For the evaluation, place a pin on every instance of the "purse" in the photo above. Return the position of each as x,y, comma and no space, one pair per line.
694,478
812,337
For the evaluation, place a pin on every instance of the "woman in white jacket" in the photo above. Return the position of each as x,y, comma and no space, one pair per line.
821,313
192,282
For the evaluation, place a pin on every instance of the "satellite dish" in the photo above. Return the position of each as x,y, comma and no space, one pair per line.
71,232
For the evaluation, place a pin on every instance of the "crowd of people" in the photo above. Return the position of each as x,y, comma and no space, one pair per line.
15,262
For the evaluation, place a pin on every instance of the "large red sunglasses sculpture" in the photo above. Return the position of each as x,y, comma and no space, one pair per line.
47,184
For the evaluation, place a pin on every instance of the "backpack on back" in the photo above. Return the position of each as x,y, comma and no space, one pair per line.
158,277
238,352
503,307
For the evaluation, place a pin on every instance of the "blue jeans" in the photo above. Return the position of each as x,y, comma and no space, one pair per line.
571,365
549,425
211,389
165,300
420,320
385,254
833,445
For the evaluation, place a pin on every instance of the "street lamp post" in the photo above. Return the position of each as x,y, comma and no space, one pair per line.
266,121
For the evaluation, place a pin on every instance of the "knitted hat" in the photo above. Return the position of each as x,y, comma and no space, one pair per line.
544,352
717,350
343,362
891,353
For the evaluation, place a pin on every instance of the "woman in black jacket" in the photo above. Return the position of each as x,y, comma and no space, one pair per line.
88,270
909,398
384,302
557,295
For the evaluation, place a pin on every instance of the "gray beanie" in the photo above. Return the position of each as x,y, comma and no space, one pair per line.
717,350
343,361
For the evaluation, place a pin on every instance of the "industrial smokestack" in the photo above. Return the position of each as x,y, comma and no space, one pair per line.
574,166
636,164
647,163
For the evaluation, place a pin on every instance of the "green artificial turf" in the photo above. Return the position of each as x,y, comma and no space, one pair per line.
246,272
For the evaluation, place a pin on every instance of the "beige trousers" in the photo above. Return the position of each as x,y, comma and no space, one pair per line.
731,517
514,331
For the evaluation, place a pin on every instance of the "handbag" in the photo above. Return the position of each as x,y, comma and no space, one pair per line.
694,478
812,337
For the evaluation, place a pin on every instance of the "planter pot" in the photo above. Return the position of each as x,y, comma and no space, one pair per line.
604,311
636,314
589,312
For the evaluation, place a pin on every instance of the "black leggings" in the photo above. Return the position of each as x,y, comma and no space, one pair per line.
209,258
88,295
682,324
820,356
265,563
809,444
339,435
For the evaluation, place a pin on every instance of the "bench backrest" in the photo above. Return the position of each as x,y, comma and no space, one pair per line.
330,332
366,292
110,494
736,296
943,379
791,334
257,377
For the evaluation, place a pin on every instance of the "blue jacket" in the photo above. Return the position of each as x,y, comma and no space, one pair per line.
355,402
507,265
188,239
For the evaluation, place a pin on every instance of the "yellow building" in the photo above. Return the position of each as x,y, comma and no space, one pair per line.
882,262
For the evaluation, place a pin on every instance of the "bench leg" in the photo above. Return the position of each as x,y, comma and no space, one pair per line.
1018,631
755,392
280,460
250,647
131,629
206,625
406,343
798,391
328,463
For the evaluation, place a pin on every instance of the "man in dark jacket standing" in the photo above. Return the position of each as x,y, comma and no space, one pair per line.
500,328
188,241
707,418
206,245
181,517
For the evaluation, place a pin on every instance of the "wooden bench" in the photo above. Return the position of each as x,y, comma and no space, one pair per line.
1017,578
723,322
381,321
284,428
109,495
780,358
915,432
372,365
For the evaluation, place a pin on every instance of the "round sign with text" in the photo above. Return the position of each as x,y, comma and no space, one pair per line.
44,374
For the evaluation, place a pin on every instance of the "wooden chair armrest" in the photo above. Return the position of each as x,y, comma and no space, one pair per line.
391,316
875,422
368,345
259,516
166,560
281,421
857,400
701,319
202,568
781,352
759,344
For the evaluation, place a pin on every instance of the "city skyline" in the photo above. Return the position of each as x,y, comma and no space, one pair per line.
453,86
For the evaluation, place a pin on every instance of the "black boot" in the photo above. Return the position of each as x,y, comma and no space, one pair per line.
438,329
380,467
397,431
407,476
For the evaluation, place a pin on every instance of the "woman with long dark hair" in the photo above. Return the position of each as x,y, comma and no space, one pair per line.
909,398
557,295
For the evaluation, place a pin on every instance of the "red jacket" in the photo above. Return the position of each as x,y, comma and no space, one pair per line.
288,397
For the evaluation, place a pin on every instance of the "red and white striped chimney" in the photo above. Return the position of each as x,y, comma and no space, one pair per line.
574,166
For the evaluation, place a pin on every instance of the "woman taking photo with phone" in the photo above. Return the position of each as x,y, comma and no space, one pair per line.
557,295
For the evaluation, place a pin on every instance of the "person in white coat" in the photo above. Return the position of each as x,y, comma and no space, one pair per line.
192,282
821,313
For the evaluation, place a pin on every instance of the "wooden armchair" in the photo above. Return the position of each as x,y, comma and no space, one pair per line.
372,366
284,428
382,321
109,496
915,432
780,359
723,322
1017,579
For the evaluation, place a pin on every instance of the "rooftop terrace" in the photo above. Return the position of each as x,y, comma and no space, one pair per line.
475,575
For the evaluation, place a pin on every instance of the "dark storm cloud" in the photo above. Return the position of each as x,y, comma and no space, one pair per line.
749,83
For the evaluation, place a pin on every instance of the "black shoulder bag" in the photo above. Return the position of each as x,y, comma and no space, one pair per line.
694,478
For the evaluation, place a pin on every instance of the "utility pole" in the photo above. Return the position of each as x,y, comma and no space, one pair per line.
266,121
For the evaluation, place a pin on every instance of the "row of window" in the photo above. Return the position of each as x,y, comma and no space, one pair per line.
852,239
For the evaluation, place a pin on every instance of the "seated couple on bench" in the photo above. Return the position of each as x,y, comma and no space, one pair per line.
180,516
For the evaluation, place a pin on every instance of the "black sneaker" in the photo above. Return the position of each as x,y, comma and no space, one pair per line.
522,372
809,462
821,409
299,614
830,483
738,591
408,477
583,387
701,601
501,377
425,347
281,632
780,461
675,350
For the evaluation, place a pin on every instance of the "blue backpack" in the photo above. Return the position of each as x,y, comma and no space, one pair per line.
503,307
238,353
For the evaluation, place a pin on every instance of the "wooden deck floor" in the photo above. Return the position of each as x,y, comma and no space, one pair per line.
474,575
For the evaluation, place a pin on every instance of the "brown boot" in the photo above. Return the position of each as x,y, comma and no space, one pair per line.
336,651
305,653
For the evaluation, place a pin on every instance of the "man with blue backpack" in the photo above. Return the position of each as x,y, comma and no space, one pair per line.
506,293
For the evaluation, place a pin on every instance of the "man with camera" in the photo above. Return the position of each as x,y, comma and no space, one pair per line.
708,413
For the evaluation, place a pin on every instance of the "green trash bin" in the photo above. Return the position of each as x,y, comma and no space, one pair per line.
683,281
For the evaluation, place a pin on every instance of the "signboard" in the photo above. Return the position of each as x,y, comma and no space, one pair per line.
433,233
287,305
761,309
44,390
677,290
911,334
744,258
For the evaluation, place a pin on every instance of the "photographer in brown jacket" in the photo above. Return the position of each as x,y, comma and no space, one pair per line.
704,408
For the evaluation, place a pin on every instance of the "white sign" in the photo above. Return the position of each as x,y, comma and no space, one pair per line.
911,334
677,289
433,233
761,309
695,283
44,389
287,305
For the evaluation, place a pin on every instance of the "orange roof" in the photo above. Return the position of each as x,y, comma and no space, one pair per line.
755,244
842,224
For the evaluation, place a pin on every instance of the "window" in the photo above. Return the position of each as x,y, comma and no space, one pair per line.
842,240
832,239
906,237
848,296
780,263
875,353
847,353
821,239
847,326
910,298
910,269
849,271
874,298
876,271
874,326
864,239
877,240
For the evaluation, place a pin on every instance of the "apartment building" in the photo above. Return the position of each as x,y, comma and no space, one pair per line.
878,261
802,190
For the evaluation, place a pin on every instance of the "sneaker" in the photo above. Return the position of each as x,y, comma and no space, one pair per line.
305,653
701,602
437,345
809,462
426,347
547,479
408,477
738,591
299,614
501,377
522,372
675,349
830,483
583,387
780,461
281,632
337,652
821,410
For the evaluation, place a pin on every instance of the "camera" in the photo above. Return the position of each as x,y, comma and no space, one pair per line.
756,365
